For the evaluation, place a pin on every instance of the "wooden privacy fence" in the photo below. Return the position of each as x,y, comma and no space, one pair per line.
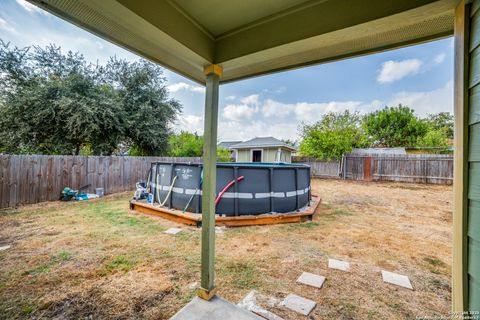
429,168
36,178
320,169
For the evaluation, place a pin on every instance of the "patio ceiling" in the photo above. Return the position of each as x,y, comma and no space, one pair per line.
252,37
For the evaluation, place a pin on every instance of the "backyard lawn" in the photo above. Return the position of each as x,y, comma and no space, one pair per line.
99,260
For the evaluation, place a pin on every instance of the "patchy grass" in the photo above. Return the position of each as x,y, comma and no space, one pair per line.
120,263
64,255
244,275
97,259
304,225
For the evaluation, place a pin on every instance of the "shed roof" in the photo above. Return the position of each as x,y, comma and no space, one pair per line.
228,144
251,37
263,142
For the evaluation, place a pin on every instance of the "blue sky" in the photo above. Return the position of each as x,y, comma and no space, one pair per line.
274,105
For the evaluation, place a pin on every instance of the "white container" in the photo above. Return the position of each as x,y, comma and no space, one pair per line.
99,192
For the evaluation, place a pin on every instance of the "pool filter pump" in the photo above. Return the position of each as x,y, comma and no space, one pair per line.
141,192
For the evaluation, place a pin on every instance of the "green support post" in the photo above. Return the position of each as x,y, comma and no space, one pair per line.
207,288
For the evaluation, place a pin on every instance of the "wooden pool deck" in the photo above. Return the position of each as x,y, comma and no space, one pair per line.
195,219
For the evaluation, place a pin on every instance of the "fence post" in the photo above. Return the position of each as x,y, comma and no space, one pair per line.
425,170
367,168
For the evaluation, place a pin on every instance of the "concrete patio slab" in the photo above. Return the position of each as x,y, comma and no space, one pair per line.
173,231
215,309
311,279
299,304
396,279
338,264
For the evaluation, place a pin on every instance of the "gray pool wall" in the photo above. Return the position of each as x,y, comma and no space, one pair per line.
266,187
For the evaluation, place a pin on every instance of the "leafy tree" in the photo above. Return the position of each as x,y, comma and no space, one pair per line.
289,142
149,112
442,121
224,155
434,138
186,144
334,135
55,103
394,127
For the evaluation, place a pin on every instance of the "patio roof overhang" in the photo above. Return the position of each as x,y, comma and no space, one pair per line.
250,37
247,38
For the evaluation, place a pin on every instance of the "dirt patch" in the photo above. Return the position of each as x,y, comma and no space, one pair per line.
133,295
99,260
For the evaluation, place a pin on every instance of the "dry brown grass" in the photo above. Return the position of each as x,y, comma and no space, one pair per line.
98,259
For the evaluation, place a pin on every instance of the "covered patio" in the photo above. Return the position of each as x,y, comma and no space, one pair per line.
213,42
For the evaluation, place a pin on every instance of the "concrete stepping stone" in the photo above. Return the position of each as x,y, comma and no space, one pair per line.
250,303
3,248
173,231
396,279
338,264
299,304
220,230
311,279
194,285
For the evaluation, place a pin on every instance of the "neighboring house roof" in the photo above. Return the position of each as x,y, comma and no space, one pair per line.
228,144
263,142
386,151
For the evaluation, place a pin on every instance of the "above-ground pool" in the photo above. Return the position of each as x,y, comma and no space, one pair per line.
242,188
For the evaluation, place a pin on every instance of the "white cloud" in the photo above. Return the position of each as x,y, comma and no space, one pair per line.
395,70
439,58
281,120
438,100
230,98
232,130
182,86
251,100
314,111
30,7
190,123
278,109
310,112
238,112
245,110
4,25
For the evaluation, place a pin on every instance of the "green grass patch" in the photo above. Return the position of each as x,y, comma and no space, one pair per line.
335,214
188,236
341,212
28,309
64,255
244,275
121,263
45,267
304,225
372,315
434,261
184,297
111,214
434,264
40,269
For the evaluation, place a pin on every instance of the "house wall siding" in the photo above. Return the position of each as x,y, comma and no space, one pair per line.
473,186
269,154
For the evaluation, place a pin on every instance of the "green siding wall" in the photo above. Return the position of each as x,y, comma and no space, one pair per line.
473,224
243,156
